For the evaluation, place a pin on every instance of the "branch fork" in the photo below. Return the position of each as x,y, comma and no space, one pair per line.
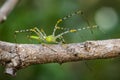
18,56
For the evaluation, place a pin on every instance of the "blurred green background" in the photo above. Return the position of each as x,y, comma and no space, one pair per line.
44,14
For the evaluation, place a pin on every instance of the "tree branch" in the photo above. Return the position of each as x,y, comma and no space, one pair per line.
6,9
18,56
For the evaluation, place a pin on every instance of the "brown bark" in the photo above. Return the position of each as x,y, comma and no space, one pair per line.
18,56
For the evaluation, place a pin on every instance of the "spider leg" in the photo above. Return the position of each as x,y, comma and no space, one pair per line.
62,40
64,18
43,44
43,32
75,30
39,33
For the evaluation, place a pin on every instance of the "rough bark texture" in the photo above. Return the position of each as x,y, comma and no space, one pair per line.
18,56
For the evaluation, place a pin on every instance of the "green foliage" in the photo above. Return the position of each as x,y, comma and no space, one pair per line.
44,14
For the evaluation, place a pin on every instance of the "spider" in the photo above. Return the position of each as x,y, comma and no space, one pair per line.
53,38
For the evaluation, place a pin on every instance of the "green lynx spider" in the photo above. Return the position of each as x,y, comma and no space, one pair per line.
53,38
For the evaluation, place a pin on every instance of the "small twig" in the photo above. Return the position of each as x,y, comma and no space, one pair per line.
18,56
6,9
